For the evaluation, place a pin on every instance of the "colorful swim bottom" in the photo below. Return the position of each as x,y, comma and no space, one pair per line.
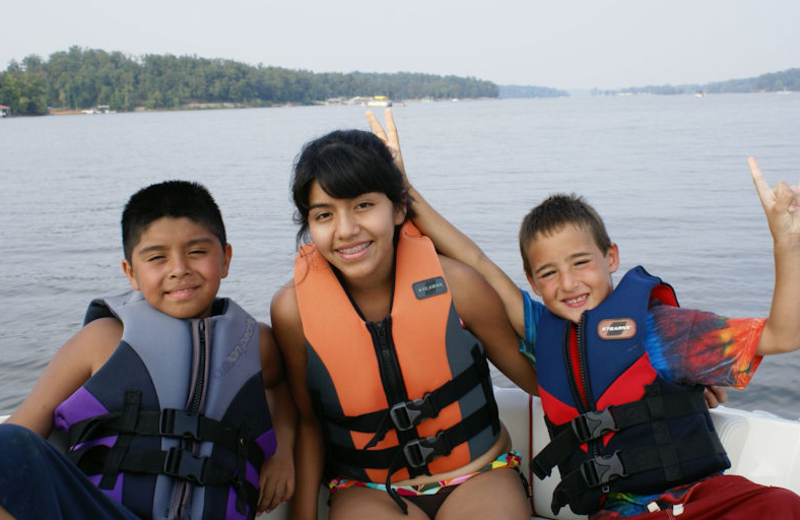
506,460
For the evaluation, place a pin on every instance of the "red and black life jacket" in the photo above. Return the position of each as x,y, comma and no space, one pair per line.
615,424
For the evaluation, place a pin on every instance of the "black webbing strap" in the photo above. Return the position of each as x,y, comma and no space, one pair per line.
242,456
603,469
417,452
176,462
117,453
594,424
408,414
170,422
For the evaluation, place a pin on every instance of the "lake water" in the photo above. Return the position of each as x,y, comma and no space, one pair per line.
668,174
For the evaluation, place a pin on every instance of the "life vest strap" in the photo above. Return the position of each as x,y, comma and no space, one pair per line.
118,452
594,424
169,422
408,414
417,452
176,462
604,469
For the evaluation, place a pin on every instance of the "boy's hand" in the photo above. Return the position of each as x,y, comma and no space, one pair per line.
781,205
389,138
715,395
276,482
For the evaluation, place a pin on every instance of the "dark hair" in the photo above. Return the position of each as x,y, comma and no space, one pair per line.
553,214
346,164
174,199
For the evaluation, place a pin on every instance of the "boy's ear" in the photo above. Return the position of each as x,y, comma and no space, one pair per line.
613,258
532,283
127,268
228,253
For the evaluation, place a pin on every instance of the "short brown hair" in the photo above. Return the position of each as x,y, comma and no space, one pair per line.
553,214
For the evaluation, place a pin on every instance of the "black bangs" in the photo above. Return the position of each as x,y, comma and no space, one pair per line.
346,171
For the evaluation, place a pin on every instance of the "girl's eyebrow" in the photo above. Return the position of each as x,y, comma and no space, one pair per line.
318,205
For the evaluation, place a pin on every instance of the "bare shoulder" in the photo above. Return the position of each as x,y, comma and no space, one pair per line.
284,310
98,340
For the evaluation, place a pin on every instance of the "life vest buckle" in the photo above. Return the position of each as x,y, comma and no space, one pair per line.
179,423
593,424
603,469
183,465
419,452
407,414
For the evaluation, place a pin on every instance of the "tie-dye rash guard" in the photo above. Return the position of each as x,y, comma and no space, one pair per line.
685,346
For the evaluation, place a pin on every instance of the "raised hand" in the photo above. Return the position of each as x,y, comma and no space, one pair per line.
389,138
781,205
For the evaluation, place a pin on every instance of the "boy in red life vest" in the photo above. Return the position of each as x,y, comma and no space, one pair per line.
162,392
621,370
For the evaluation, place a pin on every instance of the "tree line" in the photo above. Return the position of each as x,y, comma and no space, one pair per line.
784,81
82,78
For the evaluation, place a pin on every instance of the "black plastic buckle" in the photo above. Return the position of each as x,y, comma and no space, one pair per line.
603,469
179,423
182,464
408,414
593,424
419,452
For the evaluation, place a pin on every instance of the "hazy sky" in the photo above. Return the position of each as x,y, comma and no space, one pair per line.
568,44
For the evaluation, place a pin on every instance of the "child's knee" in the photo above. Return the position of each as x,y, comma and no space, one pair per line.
18,444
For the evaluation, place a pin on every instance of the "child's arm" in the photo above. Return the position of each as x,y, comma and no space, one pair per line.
448,240
71,367
480,308
309,453
782,207
276,477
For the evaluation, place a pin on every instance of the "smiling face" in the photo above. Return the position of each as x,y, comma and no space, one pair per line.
178,265
570,272
355,235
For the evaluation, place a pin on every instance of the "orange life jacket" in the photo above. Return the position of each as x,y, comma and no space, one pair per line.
406,396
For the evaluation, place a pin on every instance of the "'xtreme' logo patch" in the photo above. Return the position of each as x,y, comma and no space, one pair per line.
429,287
618,328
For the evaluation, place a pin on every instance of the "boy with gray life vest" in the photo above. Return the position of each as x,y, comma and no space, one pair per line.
621,370
162,393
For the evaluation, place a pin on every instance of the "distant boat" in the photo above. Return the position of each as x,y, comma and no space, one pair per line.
379,101
99,109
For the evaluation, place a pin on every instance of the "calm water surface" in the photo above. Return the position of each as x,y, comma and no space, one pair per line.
667,173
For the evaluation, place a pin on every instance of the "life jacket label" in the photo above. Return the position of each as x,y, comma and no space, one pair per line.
617,328
430,287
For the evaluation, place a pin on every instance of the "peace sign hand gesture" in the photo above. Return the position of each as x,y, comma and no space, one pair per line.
389,138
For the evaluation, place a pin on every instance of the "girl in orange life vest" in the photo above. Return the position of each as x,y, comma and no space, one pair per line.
394,396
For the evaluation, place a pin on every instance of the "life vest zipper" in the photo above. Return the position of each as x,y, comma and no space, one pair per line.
387,361
582,394
183,490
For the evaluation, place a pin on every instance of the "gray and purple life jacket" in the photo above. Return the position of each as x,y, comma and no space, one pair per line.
175,424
